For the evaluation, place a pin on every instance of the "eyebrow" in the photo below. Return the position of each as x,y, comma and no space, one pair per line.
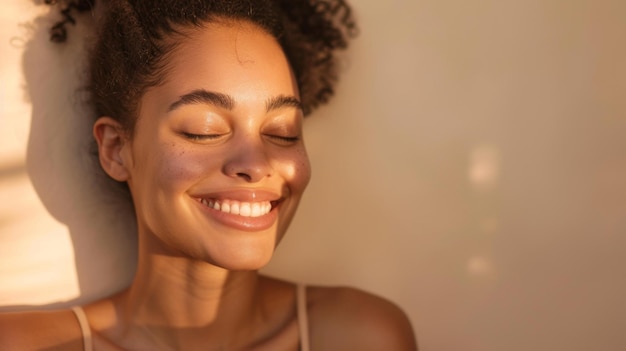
201,96
281,101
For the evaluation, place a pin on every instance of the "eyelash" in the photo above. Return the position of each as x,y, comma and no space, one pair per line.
285,138
199,137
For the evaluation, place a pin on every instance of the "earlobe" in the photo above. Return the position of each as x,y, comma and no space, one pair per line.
112,141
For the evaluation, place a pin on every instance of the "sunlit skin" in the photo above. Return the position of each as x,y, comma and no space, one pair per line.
189,146
225,126
251,150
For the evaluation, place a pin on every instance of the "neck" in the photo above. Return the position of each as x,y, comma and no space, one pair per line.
175,301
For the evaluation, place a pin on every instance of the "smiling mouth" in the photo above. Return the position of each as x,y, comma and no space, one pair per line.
240,208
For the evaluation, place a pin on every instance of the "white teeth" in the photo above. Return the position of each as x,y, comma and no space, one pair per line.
234,208
226,207
244,209
256,210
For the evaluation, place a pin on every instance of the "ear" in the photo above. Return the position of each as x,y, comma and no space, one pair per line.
112,146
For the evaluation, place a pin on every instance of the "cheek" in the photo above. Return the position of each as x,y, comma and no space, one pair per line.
304,167
180,166
296,169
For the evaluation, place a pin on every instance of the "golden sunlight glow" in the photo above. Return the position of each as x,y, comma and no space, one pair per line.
479,266
484,166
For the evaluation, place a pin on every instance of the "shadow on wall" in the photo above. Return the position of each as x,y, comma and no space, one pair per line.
63,166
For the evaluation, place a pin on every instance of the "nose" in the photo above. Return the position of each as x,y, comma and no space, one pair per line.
248,161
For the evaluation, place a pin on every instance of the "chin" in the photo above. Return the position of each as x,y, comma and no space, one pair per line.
243,258
245,264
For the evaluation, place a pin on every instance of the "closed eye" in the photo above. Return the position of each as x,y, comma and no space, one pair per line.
284,140
200,137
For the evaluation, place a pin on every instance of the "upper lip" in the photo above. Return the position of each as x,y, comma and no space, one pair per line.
242,195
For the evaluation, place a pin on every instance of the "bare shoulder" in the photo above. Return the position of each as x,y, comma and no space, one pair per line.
41,330
350,319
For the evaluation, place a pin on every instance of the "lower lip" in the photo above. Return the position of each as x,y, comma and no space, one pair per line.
249,224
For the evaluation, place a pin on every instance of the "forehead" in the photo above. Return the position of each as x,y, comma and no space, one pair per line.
231,57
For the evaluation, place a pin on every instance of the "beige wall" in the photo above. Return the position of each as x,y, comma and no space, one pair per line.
472,169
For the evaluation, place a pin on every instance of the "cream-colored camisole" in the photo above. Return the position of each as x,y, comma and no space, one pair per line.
301,310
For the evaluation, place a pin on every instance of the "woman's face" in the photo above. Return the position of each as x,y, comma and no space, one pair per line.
217,163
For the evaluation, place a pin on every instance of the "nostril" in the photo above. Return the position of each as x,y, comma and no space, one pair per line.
247,171
245,176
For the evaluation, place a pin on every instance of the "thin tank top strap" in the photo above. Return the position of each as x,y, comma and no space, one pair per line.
303,322
303,319
84,327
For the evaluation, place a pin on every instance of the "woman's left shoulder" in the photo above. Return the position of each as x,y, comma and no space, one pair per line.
343,318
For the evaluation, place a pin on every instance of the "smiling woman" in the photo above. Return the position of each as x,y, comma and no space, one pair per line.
200,107
207,135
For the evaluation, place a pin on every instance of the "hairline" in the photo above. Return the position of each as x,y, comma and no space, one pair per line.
170,44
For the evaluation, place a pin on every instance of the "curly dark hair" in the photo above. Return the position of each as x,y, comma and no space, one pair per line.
135,37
